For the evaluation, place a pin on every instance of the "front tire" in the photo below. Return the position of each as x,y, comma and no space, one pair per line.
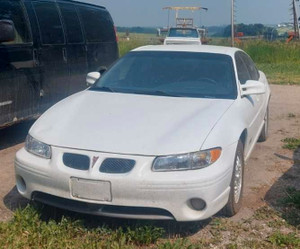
237,183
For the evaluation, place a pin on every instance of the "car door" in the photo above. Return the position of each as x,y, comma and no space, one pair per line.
52,54
250,105
254,74
19,90
75,48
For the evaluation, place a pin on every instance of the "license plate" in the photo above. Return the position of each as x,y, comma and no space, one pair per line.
91,189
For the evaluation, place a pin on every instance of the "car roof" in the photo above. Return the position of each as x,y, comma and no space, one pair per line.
191,48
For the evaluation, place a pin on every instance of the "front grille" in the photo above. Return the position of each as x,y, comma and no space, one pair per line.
76,161
117,165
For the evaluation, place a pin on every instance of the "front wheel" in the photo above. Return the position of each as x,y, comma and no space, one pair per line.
237,183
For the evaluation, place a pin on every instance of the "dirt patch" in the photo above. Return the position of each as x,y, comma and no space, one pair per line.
268,164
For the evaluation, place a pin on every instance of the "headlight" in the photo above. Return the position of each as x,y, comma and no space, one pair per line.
37,148
190,161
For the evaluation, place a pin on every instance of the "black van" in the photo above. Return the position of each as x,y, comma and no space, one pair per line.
46,49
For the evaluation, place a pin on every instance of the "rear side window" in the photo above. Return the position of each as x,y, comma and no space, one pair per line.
242,70
71,23
12,10
254,74
98,25
49,23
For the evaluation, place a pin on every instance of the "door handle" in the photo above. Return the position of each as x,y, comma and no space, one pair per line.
65,56
35,57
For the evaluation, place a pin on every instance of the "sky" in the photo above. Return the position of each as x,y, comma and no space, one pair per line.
149,13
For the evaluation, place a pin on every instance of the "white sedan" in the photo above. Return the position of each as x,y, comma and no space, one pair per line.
163,134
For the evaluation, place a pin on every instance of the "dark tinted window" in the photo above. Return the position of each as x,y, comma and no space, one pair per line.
97,25
49,23
71,23
254,74
12,10
178,74
242,70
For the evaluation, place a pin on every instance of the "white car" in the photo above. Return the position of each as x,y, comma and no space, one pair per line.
183,36
163,134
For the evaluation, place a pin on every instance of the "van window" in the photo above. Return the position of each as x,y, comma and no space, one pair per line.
71,23
98,25
49,23
12,10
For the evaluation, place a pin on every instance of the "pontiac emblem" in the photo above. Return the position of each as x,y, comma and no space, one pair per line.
95,159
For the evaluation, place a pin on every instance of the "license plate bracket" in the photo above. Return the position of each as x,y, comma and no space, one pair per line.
94,190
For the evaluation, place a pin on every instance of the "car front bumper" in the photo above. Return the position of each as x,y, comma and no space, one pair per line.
141,193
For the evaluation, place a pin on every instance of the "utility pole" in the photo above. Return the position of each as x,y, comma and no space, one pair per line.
232,23
296,21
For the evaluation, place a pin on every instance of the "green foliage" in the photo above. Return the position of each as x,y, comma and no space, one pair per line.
287,240
28,230
278,60
135,40
138,30
251,30
180,244
272,52
291,143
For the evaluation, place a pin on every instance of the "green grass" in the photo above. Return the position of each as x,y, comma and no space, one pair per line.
28,230
289,240
135,40
291,143
278,60
290,206
292,197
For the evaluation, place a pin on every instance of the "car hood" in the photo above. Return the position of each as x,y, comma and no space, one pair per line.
129,123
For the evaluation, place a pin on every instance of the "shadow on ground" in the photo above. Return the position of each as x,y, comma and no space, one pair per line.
15,134
279,196
13,201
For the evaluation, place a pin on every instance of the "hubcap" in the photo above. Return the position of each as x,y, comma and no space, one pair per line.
238,179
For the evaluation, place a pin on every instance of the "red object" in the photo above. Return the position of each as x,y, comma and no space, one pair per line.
239,34
117,38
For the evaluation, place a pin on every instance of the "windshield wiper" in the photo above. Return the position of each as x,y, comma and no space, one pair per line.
164,94
157,93
102,89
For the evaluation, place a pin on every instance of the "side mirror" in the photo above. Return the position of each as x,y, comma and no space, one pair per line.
102,70
253,87
7,31
91,78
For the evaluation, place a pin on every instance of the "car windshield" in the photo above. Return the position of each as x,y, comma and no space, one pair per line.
177,74
183,33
